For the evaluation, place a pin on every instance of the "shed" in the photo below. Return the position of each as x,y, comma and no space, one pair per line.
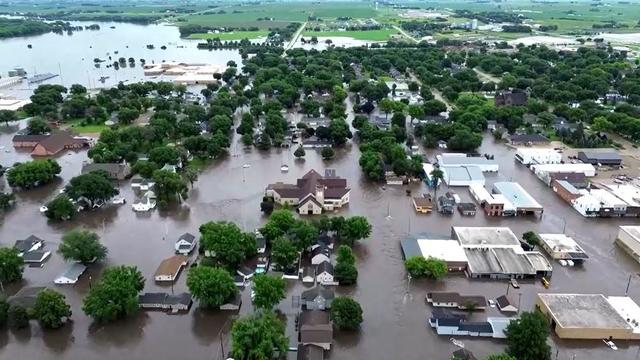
505,305
606,158
71,274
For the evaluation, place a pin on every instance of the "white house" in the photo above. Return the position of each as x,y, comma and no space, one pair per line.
308,275
185,244
324,274
70,275
30,244
320,255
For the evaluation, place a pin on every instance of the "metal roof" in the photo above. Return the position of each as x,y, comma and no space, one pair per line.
517,195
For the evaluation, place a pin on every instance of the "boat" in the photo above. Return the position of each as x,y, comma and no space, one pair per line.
43,208
119,200
41,77
610,344
284,168
246,166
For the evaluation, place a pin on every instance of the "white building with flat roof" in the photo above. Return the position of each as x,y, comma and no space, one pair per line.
531,156
483,236
544,171
562,247
629,240
458,159
462,175
444,249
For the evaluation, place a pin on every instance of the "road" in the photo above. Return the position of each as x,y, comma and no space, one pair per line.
486,77
294,39
405,34
436,93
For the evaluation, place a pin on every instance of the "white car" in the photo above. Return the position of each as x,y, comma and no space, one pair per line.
43,208
119,200
492,303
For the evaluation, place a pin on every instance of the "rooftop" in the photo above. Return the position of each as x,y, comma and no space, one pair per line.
583,311
447,250
628,309
462,173
561,243
607,155
170,266
454,159
517,195
483,236
633,231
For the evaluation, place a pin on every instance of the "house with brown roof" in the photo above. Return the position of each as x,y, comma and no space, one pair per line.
312,194
509,98
315,329
49,144
169,268
455,300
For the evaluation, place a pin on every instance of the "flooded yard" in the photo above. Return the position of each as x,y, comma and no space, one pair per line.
395,312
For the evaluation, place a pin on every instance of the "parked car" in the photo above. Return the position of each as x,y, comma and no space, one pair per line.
515,284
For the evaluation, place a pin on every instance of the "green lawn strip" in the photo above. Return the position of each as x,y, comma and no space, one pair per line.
238,35
372,35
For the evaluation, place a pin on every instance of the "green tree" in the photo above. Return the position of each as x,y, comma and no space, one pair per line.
280,222
33,173
355,228
299,153
50,309
94,186
77,89
527,337
258,337
169,186
303,235
4,312
37,126
601,123
144,168
269,291
415,111
83,246
531,238
211,286
501,357
345,255
386,106
17,317
7,200
116,295
127,115
60,208
11,265
339,131
436,178
346,313
432,268
345,273
190,174
434,107
327,153
284,253
162,155
7,116
226,243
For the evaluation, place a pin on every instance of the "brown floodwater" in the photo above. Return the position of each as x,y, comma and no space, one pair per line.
395,312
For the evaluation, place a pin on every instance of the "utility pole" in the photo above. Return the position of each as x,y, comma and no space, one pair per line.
519,297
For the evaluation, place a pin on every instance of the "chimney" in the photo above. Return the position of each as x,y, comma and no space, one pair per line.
320,193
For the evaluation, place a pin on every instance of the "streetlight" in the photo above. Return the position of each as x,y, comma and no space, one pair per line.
626,292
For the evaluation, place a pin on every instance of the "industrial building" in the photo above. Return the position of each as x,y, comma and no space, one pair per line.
601,158
448,250
462,175
520,199
492,204
562,247
532,156
629,240
463,160
546,172
591,316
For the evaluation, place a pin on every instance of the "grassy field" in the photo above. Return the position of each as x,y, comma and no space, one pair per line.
372,35
86,129
238,35
277,14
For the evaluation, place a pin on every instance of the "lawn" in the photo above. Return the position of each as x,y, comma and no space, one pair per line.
87,129
371,35
238,35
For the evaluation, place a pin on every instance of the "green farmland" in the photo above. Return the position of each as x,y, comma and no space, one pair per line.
237,35
370,35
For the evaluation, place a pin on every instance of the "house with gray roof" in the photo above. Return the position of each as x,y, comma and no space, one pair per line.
71,274
317,298
315,329
116,171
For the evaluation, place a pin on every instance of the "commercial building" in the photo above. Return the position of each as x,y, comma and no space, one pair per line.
455,300
13,104
601,158
463,160
531,156
562,247
495,253
448,250
629,240
546,172
492,204
523,202
462,175
454,325
591,316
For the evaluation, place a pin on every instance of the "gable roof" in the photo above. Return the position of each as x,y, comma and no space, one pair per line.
325,266
188,237
28,243
525,138
321,291
310,352
58,141
170,266
321,250
334,187
73,271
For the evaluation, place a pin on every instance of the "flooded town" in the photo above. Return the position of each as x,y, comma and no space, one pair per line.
340,182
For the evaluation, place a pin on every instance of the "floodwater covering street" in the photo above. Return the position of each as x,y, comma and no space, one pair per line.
395,312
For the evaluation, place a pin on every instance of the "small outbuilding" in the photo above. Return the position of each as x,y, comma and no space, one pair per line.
169,268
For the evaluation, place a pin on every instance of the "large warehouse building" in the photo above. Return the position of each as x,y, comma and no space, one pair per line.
591,316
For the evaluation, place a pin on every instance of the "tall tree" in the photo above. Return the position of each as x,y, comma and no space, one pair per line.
11,265
527,337
60,208
258,337
50,309
116,295
17,317
33,173
226,243
355,228
94,186
83,246
269,290
211,286
346,313
436,177
284,254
